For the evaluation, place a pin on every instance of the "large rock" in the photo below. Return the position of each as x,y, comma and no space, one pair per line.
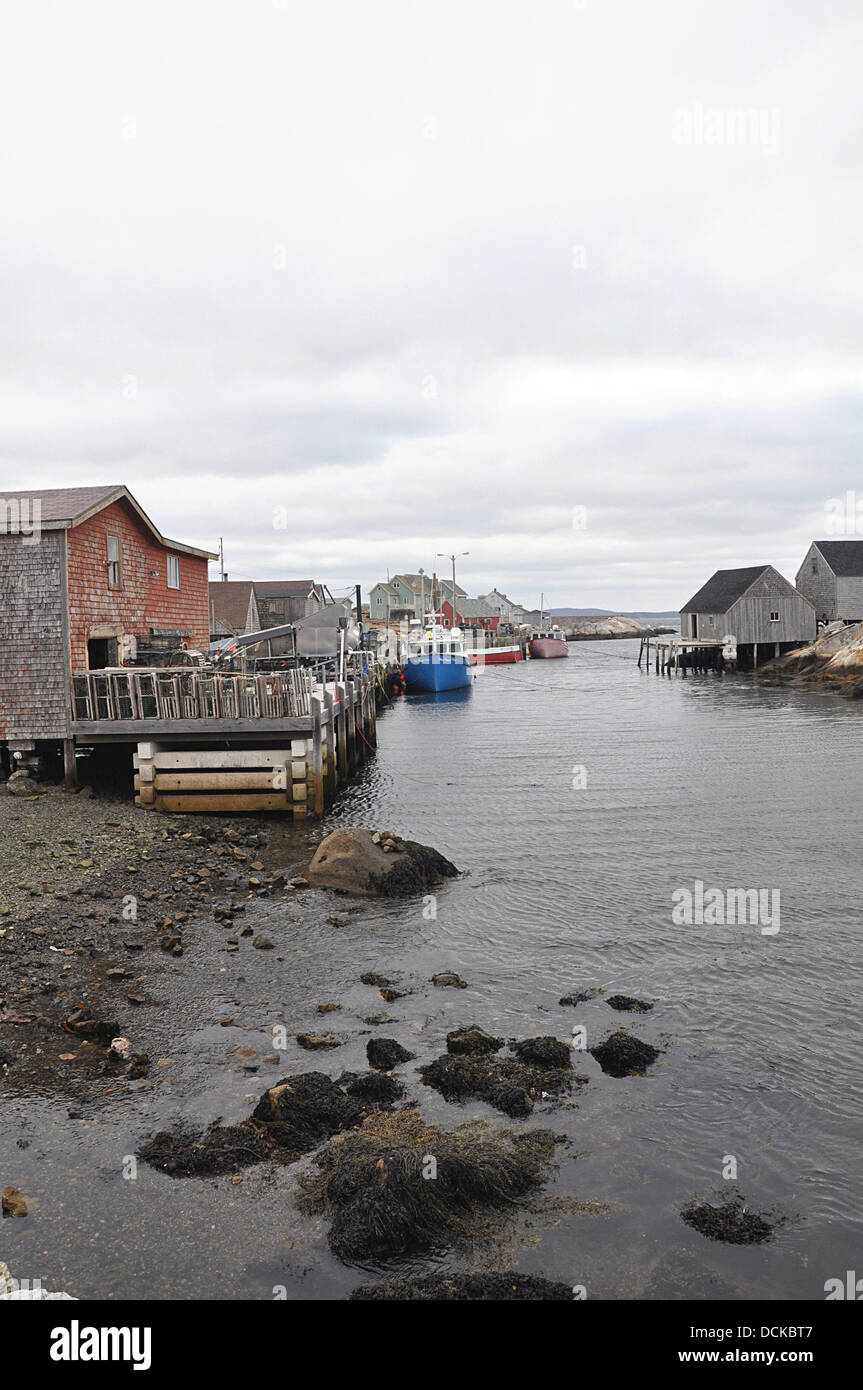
373,865
22,784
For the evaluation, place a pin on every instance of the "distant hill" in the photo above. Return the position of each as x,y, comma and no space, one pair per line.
650,618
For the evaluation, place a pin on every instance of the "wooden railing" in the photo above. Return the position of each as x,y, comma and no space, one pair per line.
165,693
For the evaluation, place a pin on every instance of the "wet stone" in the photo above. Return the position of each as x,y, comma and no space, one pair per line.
625,1003
623,1055
472,1039
386,1053
731,1222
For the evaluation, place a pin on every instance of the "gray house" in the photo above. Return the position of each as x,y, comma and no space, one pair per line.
831,577
388,604
757,606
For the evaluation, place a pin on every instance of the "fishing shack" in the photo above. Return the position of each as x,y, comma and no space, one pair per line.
755,606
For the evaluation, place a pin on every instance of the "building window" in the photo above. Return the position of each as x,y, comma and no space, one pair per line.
774,617
173,571
814,565
114,563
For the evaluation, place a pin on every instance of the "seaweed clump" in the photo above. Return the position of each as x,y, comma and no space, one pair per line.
219,1149
623,1055
542,1067
472,1039
386,1053
625,1003
731,1222
377,1086
398,1186
290,1119
509,1287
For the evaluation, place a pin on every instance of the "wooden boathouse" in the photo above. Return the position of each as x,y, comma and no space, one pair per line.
740,617
756,606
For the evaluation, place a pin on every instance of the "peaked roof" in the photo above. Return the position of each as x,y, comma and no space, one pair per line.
845,558
62,508
474,608
724,589
229,602
290,588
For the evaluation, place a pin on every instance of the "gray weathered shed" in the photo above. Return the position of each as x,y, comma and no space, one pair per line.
831,577
756,605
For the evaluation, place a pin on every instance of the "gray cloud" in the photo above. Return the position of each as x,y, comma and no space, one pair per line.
432,280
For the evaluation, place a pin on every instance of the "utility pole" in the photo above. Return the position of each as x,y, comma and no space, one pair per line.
443,554
222,559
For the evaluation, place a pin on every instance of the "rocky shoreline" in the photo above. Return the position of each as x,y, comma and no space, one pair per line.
602,629
834,661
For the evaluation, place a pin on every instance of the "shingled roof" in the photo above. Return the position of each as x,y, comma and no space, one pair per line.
723,590
61,508
845,558
229,604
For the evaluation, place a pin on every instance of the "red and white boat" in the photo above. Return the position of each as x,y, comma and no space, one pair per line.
495,656
547,644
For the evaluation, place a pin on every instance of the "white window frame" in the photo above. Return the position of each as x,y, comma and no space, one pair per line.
114,563
774,617
173,567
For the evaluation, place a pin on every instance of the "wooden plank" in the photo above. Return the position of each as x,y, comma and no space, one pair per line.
175,759
213,728
228,801
224,781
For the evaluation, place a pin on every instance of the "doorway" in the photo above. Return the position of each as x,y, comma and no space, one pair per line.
102,652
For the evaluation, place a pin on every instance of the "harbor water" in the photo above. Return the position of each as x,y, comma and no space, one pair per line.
577,796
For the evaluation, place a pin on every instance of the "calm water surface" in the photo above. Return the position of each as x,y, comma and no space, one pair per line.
724,780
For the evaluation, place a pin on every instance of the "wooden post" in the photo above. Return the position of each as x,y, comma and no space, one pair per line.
317,758
351,727
373,715
70,770
342,740
330,774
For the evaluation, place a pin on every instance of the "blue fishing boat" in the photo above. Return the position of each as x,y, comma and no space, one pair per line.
436,660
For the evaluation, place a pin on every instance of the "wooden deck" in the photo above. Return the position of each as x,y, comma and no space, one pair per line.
210,741
676,653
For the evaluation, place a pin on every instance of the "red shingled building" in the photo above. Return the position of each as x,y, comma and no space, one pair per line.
85,577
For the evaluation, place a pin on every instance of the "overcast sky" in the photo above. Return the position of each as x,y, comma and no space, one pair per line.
435,277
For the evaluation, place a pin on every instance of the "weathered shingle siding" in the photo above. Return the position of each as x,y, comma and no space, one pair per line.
849,599
816,580
33,670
